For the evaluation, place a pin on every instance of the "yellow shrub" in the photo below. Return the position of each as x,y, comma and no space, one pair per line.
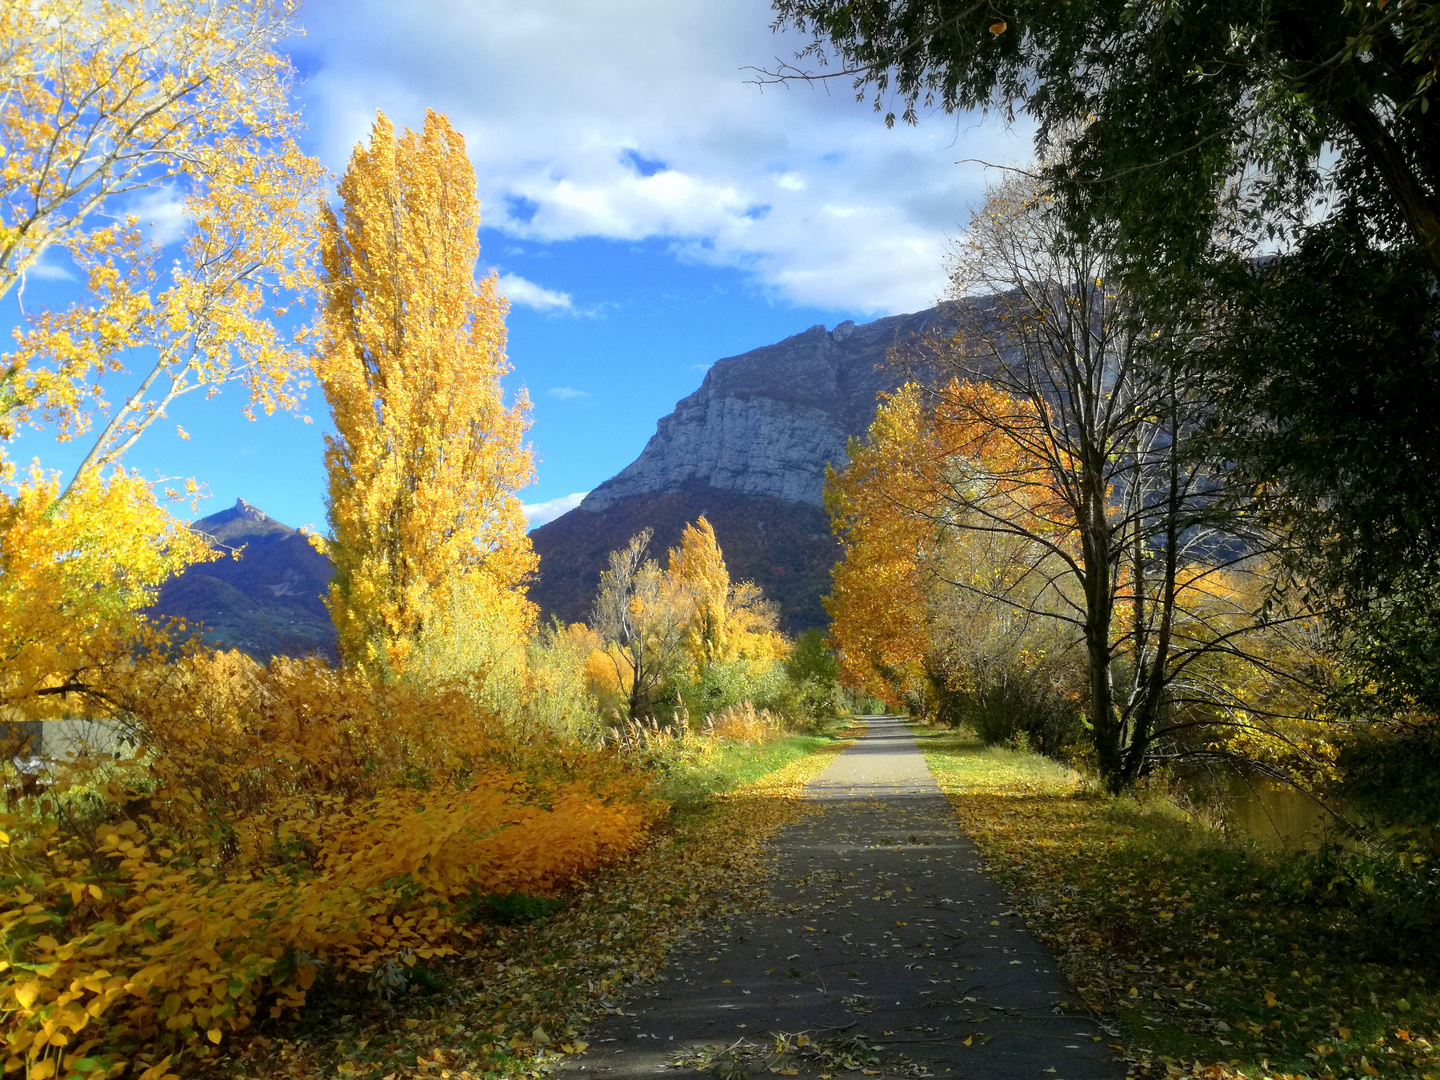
278,822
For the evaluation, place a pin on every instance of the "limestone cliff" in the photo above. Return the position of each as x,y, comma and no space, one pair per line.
767,422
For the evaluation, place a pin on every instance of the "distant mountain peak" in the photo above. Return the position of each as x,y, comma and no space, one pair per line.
268,601
240,524
749,449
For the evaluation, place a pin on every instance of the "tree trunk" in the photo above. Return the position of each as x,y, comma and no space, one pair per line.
639,702
1417,204
1099,611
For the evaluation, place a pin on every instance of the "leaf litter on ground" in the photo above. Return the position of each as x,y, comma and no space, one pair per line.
1217,964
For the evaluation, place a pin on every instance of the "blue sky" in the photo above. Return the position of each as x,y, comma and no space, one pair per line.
648,208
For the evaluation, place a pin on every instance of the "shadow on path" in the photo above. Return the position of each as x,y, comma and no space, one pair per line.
887,947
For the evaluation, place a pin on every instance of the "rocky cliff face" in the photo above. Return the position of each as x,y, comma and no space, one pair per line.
748,449
768,422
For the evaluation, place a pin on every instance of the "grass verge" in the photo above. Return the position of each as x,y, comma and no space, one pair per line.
518,999
1221,959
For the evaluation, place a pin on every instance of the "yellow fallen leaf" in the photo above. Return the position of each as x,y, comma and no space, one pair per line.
213,1035
1270,999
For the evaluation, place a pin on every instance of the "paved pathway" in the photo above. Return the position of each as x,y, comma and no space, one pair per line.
885,929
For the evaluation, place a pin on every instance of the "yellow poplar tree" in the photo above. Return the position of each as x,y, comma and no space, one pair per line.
426,456
729,620
700,565
877,602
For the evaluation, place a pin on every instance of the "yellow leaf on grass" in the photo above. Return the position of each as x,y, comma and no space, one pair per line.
213,1035
1270,1000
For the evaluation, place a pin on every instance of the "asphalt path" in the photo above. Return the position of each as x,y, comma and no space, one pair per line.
887,951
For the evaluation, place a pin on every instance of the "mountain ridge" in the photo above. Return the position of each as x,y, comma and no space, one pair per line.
748,449
768,421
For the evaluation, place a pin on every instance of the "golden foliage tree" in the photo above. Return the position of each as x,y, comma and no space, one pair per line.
699,563
643,614
184,110
74,580
427,456
878,509
191,104
729,620
657,623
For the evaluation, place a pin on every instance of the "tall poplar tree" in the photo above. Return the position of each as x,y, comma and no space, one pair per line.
426,456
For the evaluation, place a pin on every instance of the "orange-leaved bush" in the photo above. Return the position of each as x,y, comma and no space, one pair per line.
280,823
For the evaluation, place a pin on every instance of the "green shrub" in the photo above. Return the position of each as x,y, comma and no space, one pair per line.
511,909
1013,705
1392,777
730,683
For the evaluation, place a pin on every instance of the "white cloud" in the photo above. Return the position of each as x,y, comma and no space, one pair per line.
537,514
566,393
528,294
634,121
162,213
44,270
